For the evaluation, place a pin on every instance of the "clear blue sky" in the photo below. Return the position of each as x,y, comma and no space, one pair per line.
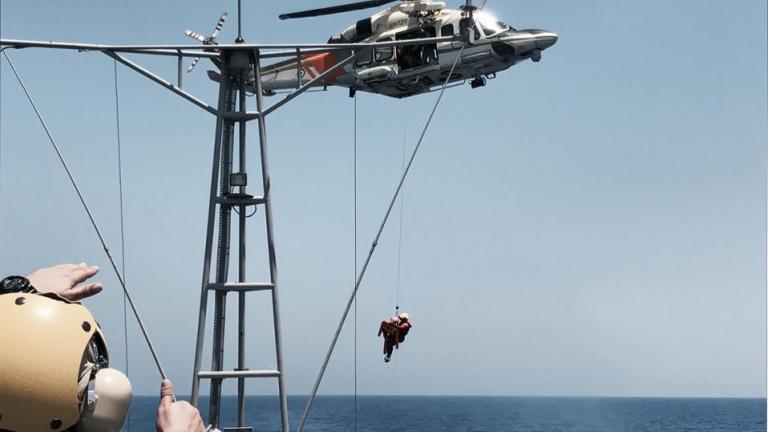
593,224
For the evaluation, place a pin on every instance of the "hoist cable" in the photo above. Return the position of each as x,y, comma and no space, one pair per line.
90,216
354,275
122,225
312,395
402,204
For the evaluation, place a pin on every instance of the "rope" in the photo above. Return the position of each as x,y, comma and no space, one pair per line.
122,226
374,244
402,204
90,216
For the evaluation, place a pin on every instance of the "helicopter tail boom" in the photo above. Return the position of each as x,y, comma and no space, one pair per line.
291,74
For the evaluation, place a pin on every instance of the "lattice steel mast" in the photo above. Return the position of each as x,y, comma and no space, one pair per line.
240,73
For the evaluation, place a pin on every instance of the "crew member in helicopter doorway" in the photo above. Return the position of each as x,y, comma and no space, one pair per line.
394,330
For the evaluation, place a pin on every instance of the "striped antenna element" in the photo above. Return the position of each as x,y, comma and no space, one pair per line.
210,40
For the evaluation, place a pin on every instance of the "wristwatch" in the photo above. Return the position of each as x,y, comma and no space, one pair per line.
15,284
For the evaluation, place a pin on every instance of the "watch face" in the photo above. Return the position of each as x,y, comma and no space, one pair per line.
14,284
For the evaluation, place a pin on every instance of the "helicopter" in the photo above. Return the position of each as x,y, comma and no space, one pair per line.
486,46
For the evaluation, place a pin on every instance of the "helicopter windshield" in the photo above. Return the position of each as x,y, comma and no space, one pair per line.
492,26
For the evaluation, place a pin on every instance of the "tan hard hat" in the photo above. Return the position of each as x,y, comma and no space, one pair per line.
42,352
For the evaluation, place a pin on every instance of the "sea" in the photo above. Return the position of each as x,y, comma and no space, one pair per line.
478,414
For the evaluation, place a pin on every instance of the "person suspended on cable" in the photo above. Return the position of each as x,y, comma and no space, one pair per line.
394,331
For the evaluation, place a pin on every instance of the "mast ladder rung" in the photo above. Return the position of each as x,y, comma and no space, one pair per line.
241,287
238,374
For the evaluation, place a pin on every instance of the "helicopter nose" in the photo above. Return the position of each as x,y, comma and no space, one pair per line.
545,39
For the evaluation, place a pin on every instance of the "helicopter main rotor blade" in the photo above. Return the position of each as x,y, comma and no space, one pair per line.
337,9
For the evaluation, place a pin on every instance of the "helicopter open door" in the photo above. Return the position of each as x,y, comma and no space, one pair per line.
409,57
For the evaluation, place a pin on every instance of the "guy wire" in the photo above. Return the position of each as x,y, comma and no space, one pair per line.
90,216
122,225
2,240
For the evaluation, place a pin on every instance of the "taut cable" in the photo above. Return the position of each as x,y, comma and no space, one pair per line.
90,216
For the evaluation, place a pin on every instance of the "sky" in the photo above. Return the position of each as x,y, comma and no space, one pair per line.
593,224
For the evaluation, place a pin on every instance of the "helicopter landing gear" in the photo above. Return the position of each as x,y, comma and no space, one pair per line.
536,55
478,82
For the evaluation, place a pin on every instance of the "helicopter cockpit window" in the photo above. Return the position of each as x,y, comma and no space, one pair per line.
384,53
447,30
505,25
491,26
417,55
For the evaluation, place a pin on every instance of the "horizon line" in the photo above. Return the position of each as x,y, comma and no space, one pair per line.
764,397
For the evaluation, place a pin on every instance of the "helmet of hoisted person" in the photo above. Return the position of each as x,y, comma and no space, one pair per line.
403,316
54,368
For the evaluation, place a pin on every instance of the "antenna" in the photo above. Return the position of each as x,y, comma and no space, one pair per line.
239,23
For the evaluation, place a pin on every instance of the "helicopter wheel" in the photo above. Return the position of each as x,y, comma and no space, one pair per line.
478,82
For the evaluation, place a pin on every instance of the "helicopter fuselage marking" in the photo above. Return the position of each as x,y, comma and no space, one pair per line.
398,23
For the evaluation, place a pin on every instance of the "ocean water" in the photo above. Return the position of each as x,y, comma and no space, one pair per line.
476,414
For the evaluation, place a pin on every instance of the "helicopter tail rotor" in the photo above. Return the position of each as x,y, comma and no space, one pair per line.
219,24
210,40
196,36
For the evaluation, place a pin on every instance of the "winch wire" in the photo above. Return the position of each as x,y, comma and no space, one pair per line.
90,216
354,275
312,395
402,204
